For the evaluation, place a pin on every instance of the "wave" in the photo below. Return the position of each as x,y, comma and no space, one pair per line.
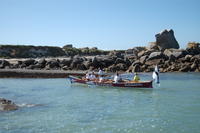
28,105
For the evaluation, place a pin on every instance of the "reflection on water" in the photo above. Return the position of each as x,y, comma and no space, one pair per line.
56,106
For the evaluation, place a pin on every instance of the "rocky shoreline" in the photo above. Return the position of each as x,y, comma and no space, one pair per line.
164,52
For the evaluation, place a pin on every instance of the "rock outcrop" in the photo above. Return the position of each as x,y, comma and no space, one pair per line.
166,40
193,48
7,105
164,52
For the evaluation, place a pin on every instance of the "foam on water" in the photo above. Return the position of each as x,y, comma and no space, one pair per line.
28,105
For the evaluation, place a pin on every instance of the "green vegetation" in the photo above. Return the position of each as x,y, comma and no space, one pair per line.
71,51
25,51
22,51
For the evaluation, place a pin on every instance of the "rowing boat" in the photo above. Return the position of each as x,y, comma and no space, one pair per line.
130,84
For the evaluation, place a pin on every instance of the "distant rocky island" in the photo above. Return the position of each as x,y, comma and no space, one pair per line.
164,52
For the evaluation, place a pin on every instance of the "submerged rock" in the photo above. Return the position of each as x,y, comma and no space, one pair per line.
7,105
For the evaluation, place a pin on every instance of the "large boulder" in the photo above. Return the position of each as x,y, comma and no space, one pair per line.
155,55
119,60
184,68
166,40
121,66
53,63
87,64
28,62
66,62
4,63
41,63
7,105
76,60
104,61
127,61
154,62
143,59
153,45
108,61
136,68
177,53
135,50
97,62
81,67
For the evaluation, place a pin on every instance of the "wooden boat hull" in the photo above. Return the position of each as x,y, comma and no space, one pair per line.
129,84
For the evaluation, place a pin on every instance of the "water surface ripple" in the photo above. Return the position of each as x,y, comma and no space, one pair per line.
65,108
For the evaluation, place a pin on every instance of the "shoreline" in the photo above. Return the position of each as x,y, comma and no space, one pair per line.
24,73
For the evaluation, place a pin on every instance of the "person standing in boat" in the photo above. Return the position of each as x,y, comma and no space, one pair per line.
136,78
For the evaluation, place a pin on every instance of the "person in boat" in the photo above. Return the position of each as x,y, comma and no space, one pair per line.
92,76
87,75
117,78
106,70
101,79
136,78
100,72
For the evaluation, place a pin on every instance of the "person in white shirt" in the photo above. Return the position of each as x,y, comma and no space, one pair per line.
87,75
117,78
92,76
100,72
101,79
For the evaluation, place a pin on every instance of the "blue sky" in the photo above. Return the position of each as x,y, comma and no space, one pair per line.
106,24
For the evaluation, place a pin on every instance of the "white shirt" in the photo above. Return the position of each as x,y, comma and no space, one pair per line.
116,78
92,76
100,72
100,79
87,76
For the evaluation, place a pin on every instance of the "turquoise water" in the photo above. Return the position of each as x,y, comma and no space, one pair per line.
55,106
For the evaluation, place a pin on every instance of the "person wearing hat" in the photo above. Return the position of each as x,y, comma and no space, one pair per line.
136,78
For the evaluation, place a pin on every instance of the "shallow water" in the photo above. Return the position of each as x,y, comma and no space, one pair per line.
56,106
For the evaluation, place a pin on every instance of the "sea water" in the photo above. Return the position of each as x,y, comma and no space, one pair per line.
56,106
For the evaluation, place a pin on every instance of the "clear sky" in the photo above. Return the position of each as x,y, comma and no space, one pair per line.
106,24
